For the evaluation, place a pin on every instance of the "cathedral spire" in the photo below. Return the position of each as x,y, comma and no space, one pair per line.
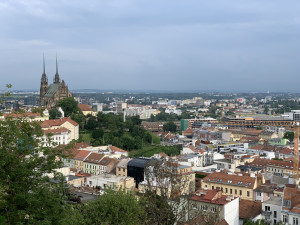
56,78
44,64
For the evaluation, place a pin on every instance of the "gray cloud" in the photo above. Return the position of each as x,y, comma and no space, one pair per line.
142,44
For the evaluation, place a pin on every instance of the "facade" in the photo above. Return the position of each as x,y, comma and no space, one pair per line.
136,169
51,94
65,122
271,210
60,136
290,213
104,181
214,204
68,161
91,164
79,158
237,185
121,167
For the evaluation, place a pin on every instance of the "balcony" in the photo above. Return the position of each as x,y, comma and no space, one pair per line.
267,213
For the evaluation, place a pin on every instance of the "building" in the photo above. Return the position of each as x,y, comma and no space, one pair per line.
136,169
65,122
238,185
92,165
171,179
249,210
79,158
217,206
51,94
86,109
271,210
104,181
59,136
290,213
121,167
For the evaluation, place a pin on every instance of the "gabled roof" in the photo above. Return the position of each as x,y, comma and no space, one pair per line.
249,209
116,149
57,131
81,145
107,161
210,196
82,155
84,107
231,179
52,89
22,115
57,122
94,158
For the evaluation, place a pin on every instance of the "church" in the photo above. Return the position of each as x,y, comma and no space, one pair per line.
51,94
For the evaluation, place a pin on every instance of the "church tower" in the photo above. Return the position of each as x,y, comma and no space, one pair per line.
56,77
44,81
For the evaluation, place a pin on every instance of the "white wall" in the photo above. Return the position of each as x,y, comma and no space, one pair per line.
231,212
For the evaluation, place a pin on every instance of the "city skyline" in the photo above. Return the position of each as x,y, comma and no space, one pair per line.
152,45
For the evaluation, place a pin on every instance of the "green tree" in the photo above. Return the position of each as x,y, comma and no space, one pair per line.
114,208
68,105
27,195
91,123
54,114
170,126
289,135
266,110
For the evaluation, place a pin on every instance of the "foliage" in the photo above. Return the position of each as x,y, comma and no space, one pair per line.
54,114
266,110
148,151
259,128
170,126
157,208
114,207
68,105
28,195
289,135
257,222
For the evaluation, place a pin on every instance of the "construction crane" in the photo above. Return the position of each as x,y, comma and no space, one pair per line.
296,151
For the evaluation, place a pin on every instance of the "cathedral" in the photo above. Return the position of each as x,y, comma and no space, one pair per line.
51,94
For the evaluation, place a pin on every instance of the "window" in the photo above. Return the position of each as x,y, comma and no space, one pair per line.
267,208
275,214
229,181
240,183
285,219
226,190
235,191
241,192
219,180
248,193
258,194
295,221
212,187
275,221
230,191
213,209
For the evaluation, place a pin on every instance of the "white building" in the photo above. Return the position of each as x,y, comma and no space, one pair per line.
271,210
59,136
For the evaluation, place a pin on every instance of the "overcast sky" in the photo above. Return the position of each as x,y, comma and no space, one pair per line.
176,45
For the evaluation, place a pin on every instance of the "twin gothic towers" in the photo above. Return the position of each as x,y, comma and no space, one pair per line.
51,94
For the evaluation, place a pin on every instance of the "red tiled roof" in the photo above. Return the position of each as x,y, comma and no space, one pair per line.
94,158
57,131
84,107
116,149
230,179
249,209
57,122
210,196
82,154
259,162
81,145
22,115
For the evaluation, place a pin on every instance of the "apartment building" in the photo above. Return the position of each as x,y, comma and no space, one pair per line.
236,184
215,205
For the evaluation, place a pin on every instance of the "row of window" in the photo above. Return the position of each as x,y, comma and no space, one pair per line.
230,191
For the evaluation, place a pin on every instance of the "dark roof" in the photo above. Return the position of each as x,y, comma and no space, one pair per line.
52,89
138,162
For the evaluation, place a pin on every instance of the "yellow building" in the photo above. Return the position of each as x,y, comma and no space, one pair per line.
121,168
237,185
79,158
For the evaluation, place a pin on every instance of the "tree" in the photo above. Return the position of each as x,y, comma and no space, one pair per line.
68,105
170,126
27,195
266,110
289,135
114,208
54,114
